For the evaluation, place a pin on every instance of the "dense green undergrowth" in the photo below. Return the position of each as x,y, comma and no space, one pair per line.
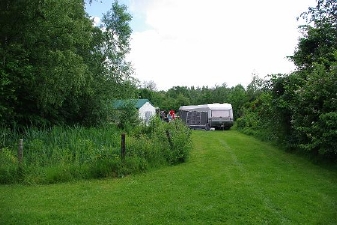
62,154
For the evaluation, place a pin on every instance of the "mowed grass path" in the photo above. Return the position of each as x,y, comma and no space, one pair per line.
230,178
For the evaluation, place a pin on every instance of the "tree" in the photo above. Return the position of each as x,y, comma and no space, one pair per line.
116,34
151,85
314,111
128,115
324,12
314,106
55,67
316,46
237,97
40,56
110,73
255,87
220,94
319,41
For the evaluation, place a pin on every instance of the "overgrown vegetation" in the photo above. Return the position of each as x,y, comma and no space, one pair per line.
61,154
299,110
57,68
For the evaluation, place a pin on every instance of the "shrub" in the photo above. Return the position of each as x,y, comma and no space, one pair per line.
62,154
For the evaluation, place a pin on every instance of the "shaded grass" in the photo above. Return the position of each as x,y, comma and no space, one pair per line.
230,178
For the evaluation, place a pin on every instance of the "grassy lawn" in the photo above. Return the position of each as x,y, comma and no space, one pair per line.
230,178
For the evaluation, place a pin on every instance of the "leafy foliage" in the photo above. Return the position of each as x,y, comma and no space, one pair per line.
299,110
313,118
324,12
56,68
127,116
317,46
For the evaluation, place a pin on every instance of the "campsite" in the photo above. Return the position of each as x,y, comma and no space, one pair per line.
87,136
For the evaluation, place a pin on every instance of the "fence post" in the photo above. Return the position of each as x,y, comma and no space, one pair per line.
20,152
123,146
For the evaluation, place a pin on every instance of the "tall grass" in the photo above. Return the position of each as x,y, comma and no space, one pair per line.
61,154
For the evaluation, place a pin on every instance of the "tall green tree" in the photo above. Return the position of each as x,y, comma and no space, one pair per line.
40,41
314,108
221,94
237,96
325,11
56,68
110,73
116,44
317,45
314,116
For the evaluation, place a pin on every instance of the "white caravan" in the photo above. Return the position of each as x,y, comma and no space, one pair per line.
216,115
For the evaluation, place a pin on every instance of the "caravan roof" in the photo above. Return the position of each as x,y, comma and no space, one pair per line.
206,107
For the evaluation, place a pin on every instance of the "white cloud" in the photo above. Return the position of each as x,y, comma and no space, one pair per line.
196,42
96,21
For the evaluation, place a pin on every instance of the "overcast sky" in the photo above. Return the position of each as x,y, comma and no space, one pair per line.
208,43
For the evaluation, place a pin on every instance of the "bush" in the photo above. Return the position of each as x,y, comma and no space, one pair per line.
62,154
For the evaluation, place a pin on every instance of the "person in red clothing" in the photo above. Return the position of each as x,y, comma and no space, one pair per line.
172,113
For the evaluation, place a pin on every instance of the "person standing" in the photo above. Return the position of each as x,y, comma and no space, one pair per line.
169,117
172,113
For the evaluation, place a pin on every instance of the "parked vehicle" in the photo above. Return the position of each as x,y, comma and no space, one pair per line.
207,116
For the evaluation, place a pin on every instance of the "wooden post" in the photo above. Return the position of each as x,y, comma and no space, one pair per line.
20,152
123,146
169,138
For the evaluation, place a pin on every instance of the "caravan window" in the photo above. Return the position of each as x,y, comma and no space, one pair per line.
220,113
